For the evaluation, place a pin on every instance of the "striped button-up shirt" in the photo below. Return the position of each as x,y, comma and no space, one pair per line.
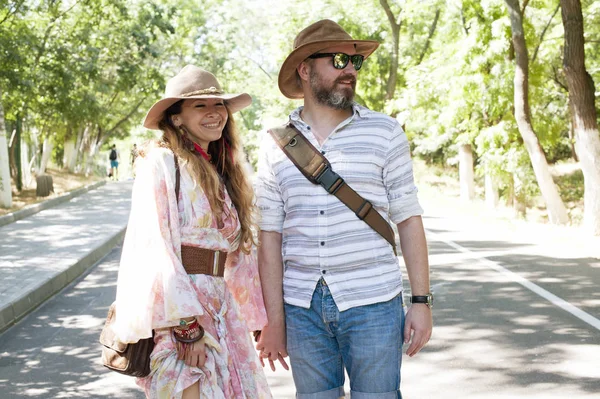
321,237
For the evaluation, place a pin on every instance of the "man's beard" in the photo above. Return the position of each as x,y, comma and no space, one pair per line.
337,98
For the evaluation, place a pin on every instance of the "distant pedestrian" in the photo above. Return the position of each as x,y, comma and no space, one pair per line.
113,157
134,155
188,273
331,281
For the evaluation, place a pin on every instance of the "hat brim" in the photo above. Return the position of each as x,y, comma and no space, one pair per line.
233,102
287,75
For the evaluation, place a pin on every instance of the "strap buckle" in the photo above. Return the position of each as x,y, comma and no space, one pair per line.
363,210
329,180
216,259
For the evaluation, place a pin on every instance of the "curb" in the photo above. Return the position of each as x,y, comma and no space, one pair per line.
40,206
21,307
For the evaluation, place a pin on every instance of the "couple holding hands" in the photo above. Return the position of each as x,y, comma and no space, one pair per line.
317,283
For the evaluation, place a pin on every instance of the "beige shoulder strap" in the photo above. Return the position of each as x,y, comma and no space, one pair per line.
317,169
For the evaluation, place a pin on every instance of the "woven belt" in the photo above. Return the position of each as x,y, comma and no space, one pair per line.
203,261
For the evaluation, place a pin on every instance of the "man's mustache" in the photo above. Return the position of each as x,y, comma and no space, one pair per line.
349,78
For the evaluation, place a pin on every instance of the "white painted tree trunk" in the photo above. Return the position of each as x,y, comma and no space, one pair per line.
588,149
519,205
82,139
91,157
557,212
70,156
25,168
47,151
491,192
5,186
466,175
582,98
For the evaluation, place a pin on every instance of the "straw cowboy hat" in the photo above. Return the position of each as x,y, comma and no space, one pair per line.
314,38
193,82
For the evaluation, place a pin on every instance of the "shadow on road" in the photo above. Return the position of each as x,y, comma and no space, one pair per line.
491,333
54,352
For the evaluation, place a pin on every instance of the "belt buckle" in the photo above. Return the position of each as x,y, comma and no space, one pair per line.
216,263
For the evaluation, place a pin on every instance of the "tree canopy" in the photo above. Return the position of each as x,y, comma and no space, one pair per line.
87,70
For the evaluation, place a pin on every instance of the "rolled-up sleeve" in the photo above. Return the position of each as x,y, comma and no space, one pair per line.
268,194
399,180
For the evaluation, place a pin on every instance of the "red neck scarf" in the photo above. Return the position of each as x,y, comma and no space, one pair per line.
201,151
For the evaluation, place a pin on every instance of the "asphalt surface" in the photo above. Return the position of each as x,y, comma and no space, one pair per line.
516,315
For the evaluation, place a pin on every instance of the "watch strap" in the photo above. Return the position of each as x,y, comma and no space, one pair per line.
425,299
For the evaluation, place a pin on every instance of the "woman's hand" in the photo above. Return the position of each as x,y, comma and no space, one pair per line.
194,354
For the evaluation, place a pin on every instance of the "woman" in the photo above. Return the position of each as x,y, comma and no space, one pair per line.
191,223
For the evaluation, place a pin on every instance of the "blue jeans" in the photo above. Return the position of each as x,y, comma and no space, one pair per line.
366,341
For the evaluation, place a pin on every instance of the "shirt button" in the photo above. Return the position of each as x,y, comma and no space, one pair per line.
322,243
323,152
308,127
324,272
322,212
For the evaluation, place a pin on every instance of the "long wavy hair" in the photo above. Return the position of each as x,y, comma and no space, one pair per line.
227,163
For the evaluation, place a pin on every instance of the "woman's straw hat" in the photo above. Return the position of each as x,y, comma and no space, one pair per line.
193,82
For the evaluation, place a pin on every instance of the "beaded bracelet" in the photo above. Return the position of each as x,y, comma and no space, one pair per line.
193,333
184,323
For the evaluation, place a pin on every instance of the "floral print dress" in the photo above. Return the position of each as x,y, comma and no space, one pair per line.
154,292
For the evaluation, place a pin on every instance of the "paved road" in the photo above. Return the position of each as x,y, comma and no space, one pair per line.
516,316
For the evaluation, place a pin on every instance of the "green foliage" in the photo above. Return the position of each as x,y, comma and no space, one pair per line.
570,186
98,65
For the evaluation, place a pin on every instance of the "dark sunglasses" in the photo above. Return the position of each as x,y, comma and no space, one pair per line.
340,60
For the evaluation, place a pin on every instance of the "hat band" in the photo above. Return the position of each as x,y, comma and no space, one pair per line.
210,90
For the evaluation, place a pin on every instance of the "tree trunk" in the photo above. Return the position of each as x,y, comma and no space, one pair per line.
17,154
519,200
557,212
572,132
431,33
583,111
5,187
35,149
47,151
491,192
70,155
391,84
82,141
25,166
92,157
465,166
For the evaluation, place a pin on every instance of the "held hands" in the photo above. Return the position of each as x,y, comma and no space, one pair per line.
270,342
419,323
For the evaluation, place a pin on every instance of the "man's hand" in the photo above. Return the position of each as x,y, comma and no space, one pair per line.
271,344
418,326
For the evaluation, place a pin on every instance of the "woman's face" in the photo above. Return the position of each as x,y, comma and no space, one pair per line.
204,119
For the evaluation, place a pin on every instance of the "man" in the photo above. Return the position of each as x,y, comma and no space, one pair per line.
113,157
332,285
133,154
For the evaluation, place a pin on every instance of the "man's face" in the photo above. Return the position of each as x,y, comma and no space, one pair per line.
330,86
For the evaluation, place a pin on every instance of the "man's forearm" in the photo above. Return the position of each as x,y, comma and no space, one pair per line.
414,252
270,266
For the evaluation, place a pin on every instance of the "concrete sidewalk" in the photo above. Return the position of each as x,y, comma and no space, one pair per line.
41,254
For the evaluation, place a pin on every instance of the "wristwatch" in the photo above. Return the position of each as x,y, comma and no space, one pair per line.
426,299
